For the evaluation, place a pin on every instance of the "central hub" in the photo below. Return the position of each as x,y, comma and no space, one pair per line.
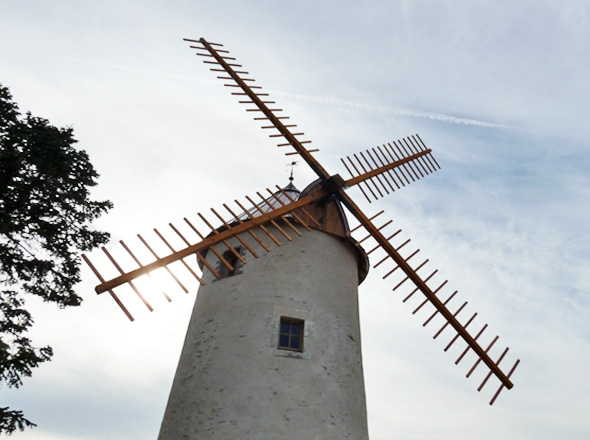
334,184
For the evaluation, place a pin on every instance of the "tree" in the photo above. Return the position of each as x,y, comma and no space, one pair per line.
45,217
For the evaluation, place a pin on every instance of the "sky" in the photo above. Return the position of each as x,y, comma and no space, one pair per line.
498,89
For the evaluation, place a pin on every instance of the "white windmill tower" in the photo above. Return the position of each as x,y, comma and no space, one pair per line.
273,346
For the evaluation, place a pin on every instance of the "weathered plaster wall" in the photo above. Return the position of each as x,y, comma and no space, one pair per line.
233,382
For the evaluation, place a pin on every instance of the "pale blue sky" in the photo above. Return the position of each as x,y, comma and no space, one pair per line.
499,90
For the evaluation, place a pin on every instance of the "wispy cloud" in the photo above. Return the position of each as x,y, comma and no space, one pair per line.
412,113
387,110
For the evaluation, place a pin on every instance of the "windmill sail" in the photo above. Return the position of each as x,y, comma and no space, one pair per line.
421,282
278,209
255,98
392,167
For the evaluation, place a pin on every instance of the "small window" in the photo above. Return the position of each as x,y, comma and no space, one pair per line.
233,261
291,334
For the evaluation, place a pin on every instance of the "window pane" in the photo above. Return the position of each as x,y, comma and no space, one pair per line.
285,327
291,333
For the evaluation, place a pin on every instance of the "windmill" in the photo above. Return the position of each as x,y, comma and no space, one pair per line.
273,346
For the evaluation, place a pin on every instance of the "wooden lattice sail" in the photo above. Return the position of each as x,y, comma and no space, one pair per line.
377,172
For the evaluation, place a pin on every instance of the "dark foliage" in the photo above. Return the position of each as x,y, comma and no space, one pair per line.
45,216
10,421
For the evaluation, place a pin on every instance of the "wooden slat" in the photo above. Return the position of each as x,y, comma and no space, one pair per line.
490,373
386,172
102,280
110,257
447,323
225,242
158,259
212,247
246,245
284,217
302,209
132,255
425,281
184,263
399,156
469,346
275,224
436,311
360,225
502,386
301,222
397,267
352,176
457,335
252,234
426,300
199,256
261,226
479,360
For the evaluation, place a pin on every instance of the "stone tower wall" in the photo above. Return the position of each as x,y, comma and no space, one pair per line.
233,382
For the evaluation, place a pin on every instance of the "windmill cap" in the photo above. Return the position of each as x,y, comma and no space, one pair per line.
329,215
